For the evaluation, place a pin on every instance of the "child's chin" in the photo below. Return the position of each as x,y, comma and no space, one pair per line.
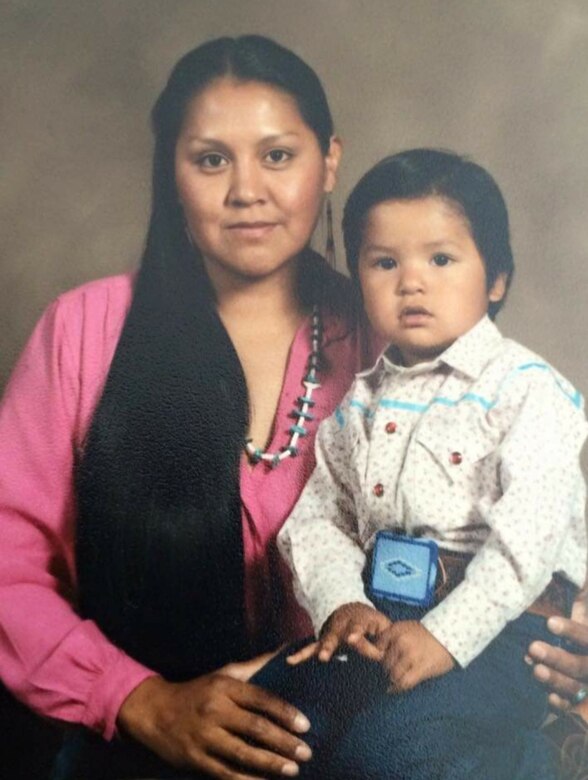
421,353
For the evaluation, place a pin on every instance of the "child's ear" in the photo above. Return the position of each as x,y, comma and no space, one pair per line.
498,289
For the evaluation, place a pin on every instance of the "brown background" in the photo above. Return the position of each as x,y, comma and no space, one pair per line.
505,81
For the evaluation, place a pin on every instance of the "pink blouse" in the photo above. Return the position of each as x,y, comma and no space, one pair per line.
59,665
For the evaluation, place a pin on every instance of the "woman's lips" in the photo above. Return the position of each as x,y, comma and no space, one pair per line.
251,230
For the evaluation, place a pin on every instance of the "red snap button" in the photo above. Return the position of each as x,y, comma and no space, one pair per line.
456,458
391,427
379,490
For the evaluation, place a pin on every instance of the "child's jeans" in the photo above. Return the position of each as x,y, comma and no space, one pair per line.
480,722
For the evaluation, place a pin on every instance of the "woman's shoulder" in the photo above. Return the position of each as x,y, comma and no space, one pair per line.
94,311
110,294
82,327
67,356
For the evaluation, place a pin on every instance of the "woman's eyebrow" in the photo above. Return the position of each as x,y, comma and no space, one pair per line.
268,139
196,139
272,139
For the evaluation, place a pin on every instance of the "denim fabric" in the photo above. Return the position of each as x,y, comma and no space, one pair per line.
480,722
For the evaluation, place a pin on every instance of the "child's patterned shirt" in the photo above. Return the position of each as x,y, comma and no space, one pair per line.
479,450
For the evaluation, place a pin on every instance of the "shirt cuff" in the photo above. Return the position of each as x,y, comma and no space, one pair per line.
329,602
467,620
109,692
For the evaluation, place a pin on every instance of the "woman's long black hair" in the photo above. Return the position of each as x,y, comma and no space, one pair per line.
159,541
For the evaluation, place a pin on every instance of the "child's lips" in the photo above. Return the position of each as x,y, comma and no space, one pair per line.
415,316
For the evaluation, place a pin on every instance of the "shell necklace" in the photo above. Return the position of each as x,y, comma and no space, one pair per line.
301,413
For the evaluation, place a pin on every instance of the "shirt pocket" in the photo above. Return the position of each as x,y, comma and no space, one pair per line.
458,450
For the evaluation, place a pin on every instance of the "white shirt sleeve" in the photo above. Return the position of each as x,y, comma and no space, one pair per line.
320,540
542,491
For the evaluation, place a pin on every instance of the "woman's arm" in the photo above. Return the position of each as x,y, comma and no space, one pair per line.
62,666
59,665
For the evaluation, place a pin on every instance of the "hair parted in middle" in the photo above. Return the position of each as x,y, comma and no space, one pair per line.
159,545
463,184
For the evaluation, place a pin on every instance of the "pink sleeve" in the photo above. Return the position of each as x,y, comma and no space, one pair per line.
59,665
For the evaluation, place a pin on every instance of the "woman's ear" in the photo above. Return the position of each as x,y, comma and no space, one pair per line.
498,289
332,160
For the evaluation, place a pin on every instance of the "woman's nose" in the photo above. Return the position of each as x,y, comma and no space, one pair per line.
247,185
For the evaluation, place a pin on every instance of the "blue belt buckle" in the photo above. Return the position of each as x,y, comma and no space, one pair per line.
404,568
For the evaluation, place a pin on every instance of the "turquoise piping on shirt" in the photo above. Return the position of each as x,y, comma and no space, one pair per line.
389,403
575,397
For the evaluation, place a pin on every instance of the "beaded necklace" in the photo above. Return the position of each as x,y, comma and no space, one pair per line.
301,414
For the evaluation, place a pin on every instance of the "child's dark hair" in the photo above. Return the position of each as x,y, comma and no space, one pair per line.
419,173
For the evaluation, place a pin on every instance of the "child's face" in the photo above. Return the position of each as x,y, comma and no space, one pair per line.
422,277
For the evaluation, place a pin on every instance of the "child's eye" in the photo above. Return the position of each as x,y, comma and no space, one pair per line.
212,161
278,156
441,260
387,263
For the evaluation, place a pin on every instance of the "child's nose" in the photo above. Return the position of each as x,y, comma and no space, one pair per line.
410,280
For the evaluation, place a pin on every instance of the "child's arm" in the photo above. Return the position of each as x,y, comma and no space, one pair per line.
542,492
321,541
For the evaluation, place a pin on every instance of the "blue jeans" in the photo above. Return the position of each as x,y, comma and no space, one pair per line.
480,722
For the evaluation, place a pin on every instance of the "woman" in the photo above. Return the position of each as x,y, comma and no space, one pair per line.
169,552
127,496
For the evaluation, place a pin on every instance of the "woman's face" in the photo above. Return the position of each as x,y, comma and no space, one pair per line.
250,176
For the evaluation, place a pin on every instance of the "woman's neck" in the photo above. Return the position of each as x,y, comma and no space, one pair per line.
261,317
261,304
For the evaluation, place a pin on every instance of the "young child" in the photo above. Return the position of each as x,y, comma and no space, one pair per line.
458,435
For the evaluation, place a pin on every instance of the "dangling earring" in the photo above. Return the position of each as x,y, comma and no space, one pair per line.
187,231
330,255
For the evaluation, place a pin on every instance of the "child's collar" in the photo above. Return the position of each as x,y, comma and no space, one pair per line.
469,354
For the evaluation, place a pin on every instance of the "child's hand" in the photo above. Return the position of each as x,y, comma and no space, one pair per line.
411,654
350,624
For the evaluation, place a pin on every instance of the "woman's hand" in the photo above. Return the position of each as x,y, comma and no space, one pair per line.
411,654
563,672
351,624
219,724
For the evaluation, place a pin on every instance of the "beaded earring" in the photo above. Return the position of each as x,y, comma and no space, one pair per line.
330,255
187,231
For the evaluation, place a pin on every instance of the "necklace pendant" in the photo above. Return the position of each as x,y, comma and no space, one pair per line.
305,402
